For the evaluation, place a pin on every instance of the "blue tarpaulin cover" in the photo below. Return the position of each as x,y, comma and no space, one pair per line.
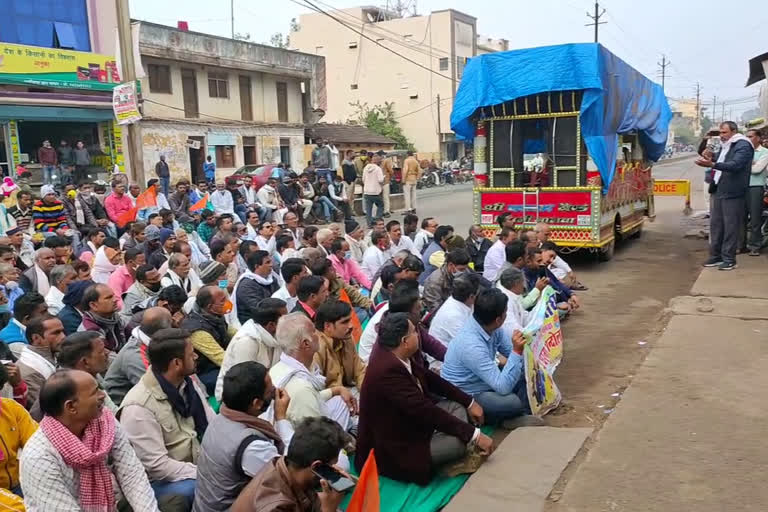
617,98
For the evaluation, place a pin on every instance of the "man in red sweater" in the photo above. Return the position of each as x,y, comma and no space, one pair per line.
117,203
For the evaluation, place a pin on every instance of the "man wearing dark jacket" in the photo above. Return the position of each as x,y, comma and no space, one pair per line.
255,285
413,419
478,246
731,168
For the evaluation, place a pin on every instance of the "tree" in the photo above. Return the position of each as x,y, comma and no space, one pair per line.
706,124
278,40
381,119
684,135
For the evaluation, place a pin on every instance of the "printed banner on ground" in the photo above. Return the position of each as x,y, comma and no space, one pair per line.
542,353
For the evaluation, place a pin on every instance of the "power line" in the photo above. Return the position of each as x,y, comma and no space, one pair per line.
318,9
423,108
596,19
377,30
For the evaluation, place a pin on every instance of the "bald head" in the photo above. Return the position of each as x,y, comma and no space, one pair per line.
542,232
155,319
312,256
45,258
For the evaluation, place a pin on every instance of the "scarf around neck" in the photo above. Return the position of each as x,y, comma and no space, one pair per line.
255,423
186,406
724,149
113,332
88,455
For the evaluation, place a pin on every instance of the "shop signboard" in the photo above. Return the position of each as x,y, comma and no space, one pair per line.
125,103
53,67
13,130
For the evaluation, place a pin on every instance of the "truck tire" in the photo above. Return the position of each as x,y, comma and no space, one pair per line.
606,251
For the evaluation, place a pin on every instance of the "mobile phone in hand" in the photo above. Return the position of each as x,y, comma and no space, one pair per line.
337,481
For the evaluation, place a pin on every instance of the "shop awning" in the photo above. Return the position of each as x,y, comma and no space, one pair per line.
53,114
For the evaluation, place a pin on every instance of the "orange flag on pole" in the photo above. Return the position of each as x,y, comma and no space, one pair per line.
357,328
366,496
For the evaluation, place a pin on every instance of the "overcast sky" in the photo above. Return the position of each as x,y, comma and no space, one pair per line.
705,41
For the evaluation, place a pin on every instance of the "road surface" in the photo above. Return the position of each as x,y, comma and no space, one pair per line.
625,301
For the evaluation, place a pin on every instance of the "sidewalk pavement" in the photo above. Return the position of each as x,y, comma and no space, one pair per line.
689,433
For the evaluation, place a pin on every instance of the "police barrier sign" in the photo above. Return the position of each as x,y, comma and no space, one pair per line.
674,188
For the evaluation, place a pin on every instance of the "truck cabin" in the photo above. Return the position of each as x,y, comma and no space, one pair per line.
535,141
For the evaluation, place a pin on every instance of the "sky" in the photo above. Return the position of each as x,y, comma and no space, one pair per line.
705,41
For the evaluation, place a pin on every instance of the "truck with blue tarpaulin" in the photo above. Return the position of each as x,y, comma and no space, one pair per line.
566,135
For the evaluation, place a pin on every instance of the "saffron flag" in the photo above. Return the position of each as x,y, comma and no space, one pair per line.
357,328
126,217
202,204
366,497
147,198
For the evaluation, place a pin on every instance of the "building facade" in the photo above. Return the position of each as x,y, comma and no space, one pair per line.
237,102
57,70
361,71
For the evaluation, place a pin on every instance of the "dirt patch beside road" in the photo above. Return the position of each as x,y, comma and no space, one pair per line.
621,317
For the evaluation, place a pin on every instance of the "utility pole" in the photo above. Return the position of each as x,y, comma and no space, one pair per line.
232,14
128,74
596,18
663,64
439,141
714,108
698,107
722,116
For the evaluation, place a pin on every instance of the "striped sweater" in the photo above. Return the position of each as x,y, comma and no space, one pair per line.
49,218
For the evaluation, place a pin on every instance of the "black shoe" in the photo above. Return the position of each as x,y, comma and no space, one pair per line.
387,214
713,262
727,266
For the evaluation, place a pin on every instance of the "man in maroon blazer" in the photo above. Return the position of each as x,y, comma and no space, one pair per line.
413,419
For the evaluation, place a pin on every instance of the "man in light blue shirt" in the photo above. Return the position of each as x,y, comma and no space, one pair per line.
470,362
755,192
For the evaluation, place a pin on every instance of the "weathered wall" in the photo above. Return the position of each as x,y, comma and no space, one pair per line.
170,140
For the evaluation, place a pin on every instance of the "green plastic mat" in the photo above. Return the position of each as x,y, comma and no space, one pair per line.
400,496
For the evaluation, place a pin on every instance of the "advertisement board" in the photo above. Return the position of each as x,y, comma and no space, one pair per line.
53,67
554,207
125,103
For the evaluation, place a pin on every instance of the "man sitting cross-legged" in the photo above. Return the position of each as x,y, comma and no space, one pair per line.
166,414
337,356
237,443
254,341
470,362
132,361
70,462
413,419
297,373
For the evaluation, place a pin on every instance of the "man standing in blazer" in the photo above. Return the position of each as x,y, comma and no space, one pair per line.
731,168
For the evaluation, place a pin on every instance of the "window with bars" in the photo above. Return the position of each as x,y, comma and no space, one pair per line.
460,63
218,85
159,78
444,61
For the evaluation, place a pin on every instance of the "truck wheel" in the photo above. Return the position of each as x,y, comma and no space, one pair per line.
606,251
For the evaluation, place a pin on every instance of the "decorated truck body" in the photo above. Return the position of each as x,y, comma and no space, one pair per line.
564,135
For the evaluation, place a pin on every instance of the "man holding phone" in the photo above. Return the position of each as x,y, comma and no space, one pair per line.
291,482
